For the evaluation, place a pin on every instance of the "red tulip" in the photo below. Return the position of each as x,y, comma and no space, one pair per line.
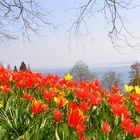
82,137
58,116
75,117
137,104
49,95
115,89
134,96
39,88
106,127
82,93
28,96
5,89
84,106
95,85
80,128
72,105
119,110
115,99
46,107
136,131
127,124
95,99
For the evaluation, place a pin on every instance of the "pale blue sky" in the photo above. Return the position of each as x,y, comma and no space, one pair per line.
52,48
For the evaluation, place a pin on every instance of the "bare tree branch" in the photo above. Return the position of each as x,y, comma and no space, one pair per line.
19,17
118,33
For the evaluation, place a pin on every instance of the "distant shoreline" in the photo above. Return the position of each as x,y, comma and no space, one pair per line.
123,70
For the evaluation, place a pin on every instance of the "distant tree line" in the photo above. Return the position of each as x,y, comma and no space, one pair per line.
22,67
134,75
81,72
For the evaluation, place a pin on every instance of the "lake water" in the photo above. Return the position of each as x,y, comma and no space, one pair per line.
123,70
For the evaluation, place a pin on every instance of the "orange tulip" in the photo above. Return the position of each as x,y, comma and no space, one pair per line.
60,100
36,106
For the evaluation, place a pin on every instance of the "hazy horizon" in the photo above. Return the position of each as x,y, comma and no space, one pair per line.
121,69
96,65
55,48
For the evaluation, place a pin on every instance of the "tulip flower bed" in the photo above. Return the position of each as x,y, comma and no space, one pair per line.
37,107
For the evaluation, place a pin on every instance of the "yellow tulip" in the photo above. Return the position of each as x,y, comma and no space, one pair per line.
53,89
68,77
62,94
128,88
137,89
